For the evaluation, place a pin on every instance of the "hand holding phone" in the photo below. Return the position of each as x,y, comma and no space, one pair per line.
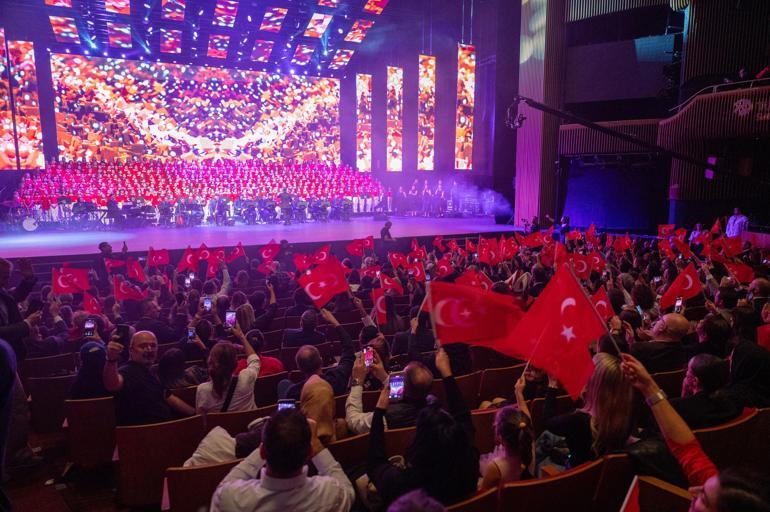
89,328
286,403
679,305
396,385
124,333
207,304
229,319
368,356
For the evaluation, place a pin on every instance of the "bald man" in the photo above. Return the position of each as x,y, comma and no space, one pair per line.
139,396
666,351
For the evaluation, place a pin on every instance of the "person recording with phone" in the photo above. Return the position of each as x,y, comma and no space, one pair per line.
665,351
442,451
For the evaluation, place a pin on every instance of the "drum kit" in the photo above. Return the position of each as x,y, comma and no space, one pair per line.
15,215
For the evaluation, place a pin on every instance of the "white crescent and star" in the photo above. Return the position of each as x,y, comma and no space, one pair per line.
583,268
689,281
568,332
569,301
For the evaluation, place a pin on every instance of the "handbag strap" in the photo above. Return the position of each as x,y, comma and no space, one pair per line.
230,393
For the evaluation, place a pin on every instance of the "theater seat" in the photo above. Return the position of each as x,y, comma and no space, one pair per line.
190,489
564,404
398,439
238,421
484,424
90,431
266,389
571,490
63,364
47,396
484,501
351,451
287,356
617,474
499,382
659,496
469,389
670,382
144,453
484,357
727,444
186,394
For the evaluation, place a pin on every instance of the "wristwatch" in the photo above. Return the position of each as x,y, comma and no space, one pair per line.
656,398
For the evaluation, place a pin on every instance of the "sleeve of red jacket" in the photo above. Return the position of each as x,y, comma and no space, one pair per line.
694,462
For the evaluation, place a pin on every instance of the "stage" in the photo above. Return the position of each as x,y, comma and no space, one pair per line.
46,244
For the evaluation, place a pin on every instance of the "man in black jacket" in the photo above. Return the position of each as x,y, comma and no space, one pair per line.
306,334
14,328
310,363
665,352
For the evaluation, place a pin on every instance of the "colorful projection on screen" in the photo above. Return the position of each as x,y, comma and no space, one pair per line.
218,46
375,6
358,31
118,109
426,114
20,118
119,34
118,6
225,12
273,19
466,95
64,29
364,123
302,54
173,10
341,58
59,3
395,119
328,3
318,25
262,50
170,40
7,142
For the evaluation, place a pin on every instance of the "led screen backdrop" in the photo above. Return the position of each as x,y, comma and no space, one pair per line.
364,123
426,114
7,143
341,58
358,31
29,136
273,19
64,29
225,13
119,34
115,108
173,10
170,40
466,94
318,25
395,119
262,50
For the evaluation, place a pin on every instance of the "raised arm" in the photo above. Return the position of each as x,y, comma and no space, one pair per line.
113,380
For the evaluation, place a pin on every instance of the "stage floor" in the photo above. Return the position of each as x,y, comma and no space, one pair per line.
67,243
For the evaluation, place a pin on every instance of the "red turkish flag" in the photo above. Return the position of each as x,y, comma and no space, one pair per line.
189,261
368,243
135,271
468,314
415,244
598,262
77,276
217,256
631,503
265,268
704,238
470,246
437,243
742,272
682,247
124,290
371,271
489,251
533,240
575,234
681,234
547,255
601,302
323,282
731,246
419,254
157,258
548,236
610,241
581,265
716,228
302,261
555,333
91,304
686,285
452,245
62,280
591,231
444,266
203,253
269,251
391,283
397,259
378,299
475,278
665,248
355,248
508,247
417,270
238,252
322,254
666,230
560,254
110,263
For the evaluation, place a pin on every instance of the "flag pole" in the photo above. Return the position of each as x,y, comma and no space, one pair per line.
593,308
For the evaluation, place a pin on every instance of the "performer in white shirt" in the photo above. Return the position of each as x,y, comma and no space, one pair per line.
737,224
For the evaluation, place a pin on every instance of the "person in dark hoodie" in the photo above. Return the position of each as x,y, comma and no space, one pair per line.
89,383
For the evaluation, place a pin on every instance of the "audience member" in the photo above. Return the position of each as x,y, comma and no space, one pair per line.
306,334
89,382
665,351
703,404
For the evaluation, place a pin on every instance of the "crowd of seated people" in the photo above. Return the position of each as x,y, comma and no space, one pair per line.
155,182
718,340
